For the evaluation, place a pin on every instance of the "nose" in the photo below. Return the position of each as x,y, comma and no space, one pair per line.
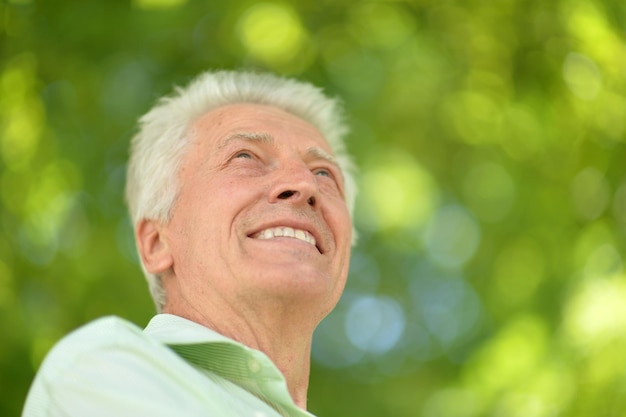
295,185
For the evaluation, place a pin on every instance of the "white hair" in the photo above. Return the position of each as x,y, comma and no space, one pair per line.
158,147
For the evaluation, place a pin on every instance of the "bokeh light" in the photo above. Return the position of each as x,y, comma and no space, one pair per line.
590,193
374,324
597,312
24,115
452,236
582,76
272,32
397,193
157,4
490,191
488,279
518,271
448,307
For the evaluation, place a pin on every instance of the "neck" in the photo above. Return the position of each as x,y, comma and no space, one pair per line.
284,334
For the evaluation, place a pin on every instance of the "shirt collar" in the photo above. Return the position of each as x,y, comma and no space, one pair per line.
214,352
175,330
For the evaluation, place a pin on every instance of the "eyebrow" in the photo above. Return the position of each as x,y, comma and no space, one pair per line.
247,137
319,153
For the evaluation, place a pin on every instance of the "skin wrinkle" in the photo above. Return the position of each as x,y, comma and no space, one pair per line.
152,187
267,294
312,154
266,138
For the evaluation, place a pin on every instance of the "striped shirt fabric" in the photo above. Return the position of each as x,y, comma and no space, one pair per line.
174,367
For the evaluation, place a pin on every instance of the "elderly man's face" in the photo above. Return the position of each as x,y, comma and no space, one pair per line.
261,213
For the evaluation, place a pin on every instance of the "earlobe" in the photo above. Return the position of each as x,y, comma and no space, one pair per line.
153,248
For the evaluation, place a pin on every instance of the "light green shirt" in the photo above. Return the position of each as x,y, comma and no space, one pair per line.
174,367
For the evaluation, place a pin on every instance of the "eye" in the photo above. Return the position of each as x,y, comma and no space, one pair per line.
243,154
323,173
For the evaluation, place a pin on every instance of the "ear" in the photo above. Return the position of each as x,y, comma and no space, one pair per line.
153,248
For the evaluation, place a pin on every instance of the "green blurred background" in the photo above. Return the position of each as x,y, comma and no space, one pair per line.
489,278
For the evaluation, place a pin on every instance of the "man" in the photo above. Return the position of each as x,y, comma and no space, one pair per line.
241,194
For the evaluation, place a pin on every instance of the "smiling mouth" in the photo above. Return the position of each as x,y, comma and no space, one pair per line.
284,231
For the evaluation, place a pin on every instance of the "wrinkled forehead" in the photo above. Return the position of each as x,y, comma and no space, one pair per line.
257,123
312,152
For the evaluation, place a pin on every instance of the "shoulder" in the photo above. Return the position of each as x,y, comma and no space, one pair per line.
106,333
110,367
105,330
96,366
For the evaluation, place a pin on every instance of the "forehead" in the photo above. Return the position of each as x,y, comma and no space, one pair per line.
221,125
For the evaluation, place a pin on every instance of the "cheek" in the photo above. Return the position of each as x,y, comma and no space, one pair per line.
341,223
192,226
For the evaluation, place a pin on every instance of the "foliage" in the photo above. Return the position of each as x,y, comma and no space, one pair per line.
489,278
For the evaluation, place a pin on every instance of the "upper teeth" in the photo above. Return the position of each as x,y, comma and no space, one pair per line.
287,232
